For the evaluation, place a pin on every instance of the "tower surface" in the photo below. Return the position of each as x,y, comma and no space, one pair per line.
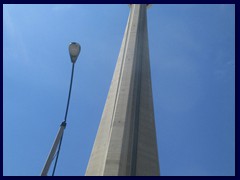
126,143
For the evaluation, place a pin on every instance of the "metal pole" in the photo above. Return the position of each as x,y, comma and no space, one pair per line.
58,140
65,120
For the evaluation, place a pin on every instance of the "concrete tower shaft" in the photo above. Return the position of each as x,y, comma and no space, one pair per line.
126,141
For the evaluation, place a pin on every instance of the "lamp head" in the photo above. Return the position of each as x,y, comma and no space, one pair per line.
74,50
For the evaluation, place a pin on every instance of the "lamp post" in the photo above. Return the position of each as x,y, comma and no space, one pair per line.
74,50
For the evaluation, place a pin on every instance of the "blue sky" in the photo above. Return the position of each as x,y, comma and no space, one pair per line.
192,54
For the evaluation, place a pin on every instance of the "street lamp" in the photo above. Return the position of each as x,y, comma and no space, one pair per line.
74,50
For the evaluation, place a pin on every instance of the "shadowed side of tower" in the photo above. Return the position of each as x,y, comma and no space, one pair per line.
126,143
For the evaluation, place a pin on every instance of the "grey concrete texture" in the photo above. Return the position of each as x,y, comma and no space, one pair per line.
126,143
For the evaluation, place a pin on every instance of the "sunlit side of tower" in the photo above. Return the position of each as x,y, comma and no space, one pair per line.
126,143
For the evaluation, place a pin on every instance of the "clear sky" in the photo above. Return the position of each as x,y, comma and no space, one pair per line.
192,54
